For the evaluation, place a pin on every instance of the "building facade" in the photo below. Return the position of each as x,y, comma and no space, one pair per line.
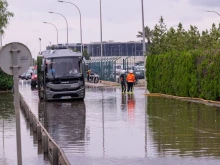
116,49
110,48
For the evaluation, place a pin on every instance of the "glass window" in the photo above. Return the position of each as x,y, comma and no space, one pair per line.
63,67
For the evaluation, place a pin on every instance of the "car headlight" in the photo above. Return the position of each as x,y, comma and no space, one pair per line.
75,85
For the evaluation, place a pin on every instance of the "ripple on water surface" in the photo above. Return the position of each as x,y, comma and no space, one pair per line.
8,152
114,128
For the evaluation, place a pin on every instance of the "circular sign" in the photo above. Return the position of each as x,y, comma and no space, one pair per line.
15,55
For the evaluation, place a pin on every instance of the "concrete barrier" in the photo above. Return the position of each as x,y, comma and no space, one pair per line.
39,133
52,152
55,154
62,160
26,113
34,124
45,138
30,117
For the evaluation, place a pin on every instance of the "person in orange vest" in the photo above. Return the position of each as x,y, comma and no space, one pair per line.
130,81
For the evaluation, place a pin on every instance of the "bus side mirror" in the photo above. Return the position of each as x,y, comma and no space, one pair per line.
42,68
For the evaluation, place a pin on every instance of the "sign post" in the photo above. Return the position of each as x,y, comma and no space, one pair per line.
15,58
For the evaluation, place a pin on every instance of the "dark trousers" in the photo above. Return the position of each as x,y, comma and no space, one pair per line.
123,87
130,86
88,78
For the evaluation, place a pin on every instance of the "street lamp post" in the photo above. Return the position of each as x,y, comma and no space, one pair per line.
40,44
144,46
101,33
80,15
55,28
214,12
66,24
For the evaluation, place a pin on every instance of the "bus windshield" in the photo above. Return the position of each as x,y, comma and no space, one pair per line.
63,67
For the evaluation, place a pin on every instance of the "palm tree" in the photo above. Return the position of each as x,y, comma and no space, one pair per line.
148,34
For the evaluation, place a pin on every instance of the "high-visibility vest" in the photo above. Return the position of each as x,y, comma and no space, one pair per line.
130,77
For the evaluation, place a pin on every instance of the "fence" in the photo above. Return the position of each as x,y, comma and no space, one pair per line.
109,68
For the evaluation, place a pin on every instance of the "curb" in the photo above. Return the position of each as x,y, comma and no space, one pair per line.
55,154
191,99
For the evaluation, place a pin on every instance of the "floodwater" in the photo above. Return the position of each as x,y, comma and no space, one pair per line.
114,128
31,151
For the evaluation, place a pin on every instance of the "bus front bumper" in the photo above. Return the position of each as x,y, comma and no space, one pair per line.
76,94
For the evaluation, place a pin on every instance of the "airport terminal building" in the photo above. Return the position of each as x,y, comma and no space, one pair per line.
110,48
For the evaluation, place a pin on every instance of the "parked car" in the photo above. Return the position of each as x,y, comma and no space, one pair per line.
34,79
139,74
22,76
94,77
26,75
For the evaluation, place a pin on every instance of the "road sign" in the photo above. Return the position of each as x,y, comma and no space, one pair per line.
15,59
22,58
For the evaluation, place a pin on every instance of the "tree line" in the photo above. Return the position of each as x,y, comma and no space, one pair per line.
183,62
162,40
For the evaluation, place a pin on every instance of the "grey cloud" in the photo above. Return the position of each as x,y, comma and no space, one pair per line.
117,10
210,3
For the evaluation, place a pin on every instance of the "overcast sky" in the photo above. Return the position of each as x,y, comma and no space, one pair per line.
121,19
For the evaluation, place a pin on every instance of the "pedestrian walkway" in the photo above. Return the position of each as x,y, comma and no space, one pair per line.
88,84
103,83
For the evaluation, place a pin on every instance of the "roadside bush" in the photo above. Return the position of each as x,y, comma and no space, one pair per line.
184,62
6,81
187,74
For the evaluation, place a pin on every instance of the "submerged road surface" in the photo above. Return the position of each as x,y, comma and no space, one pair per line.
114,128
32,153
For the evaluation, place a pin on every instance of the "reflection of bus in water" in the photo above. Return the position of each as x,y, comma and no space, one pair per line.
64,121
61,75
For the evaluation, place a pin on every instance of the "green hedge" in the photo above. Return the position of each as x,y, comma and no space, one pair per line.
189,74
6,81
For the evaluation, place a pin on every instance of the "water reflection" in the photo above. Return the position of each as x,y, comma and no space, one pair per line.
123,102
131,107
7,125
184,128
65,122
117,129
8,151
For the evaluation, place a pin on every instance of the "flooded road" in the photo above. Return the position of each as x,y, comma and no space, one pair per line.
111,128
31,151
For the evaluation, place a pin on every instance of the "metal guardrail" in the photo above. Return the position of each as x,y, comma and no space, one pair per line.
55,153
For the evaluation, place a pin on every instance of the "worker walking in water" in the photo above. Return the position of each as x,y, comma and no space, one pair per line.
122,80
130,81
